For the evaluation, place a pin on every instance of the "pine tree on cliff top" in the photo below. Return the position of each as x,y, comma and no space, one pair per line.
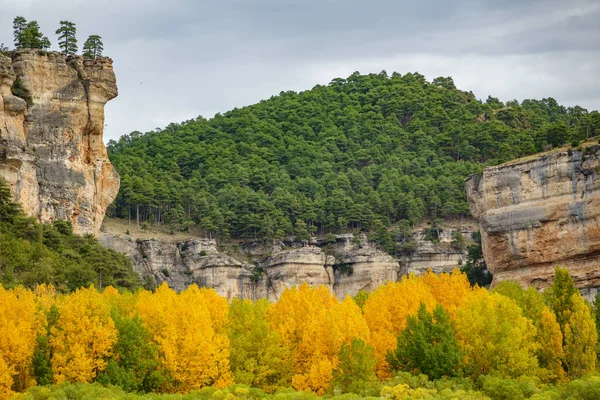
19,24
66,36
93,46
28,35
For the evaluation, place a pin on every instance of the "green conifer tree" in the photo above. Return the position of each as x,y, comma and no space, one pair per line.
93,47
28,35
66,36
428,344
19,24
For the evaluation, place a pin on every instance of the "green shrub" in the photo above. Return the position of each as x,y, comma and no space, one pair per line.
18,89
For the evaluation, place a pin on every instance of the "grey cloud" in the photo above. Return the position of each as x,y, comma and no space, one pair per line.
180,58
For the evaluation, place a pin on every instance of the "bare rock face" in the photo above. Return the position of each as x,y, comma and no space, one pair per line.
295,267
539,213
345,267
361,266
439,257
181,264
51,149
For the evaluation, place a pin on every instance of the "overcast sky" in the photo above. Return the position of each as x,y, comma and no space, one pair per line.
177,59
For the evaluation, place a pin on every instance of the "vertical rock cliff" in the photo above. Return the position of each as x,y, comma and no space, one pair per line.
51,126
539,213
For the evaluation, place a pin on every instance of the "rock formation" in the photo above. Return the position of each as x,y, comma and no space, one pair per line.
439,257
345,267
539,213
198,261
51,149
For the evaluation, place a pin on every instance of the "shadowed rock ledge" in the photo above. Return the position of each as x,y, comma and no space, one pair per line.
51,149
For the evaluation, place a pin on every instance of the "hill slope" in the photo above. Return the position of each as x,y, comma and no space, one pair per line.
363,152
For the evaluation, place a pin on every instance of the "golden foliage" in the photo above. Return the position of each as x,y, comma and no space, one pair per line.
550,352
83,336
580,340
449,290
18,325
191,346
314,325
387,310
495,336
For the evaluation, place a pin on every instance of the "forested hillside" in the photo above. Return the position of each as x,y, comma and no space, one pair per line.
32,253
360,153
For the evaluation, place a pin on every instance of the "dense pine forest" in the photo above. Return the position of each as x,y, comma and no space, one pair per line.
364,152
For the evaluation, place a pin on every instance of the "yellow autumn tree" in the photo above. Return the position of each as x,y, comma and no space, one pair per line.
550,353
314,325
19,323
580,339
495,336
83,336
190,349
386,312
449,290
548,334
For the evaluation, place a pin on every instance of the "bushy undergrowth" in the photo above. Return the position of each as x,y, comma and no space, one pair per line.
403,387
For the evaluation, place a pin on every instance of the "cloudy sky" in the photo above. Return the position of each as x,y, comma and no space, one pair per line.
177,59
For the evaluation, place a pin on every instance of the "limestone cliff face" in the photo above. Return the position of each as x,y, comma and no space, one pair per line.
539,213
198,261
51,149
182,264
439,257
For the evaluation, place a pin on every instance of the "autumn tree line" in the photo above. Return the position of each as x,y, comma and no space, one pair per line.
28,35
363,153
168,342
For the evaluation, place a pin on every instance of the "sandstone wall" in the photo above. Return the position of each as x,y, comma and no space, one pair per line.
51,150
539,213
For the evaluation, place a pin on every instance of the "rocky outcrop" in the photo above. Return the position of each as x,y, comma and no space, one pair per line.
293,267
51,149
360,266
345,267
182,264
539,213
439,257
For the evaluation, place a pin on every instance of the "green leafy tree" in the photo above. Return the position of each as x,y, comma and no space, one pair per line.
67,40
93,47
560,296
33,253
427,344
135,366
257,356
365,153
356,369
301,231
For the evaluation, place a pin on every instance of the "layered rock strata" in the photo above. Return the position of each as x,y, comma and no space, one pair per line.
51,126
539,213
344,267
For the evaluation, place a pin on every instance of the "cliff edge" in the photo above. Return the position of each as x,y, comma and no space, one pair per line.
538,213
51,126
